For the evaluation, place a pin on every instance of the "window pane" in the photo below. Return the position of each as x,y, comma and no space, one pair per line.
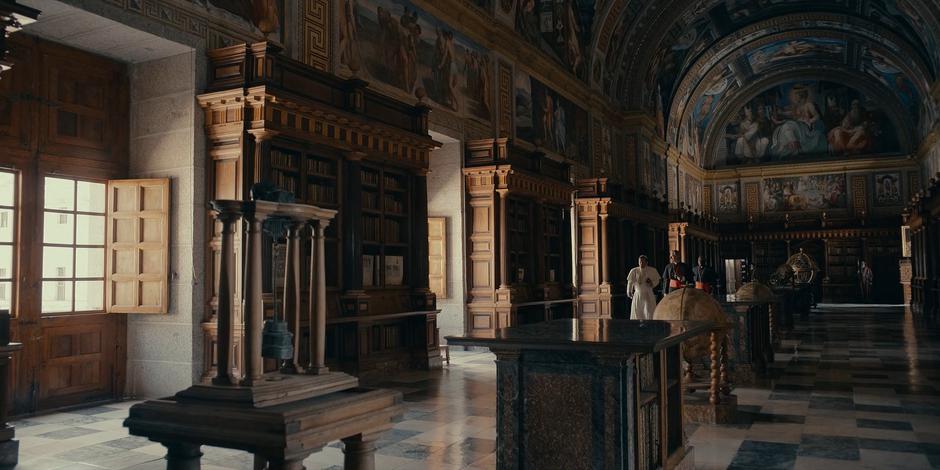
56,262
57,228
89,230
60,194
6,225
89,295
7,188
89,262
6,295
6,262
56,296
91,197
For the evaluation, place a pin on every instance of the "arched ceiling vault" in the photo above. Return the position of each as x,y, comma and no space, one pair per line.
663,56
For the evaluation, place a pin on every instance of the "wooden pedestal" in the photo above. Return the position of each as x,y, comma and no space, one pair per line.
280,436
589,394
9,447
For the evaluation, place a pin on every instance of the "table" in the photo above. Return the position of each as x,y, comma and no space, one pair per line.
590,393
751,339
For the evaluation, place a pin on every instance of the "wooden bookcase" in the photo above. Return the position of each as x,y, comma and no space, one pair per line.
518,220
613,233
309,133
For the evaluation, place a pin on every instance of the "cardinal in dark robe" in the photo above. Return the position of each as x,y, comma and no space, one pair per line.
676,275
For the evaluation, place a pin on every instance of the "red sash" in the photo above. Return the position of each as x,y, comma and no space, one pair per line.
704,286
675,284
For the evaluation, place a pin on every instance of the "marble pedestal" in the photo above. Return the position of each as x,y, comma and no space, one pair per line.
590,394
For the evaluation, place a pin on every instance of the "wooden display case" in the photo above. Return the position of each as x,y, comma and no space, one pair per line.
339,145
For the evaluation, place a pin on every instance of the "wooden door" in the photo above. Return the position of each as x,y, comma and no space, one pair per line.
63,130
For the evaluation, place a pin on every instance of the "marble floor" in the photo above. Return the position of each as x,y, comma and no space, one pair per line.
852,387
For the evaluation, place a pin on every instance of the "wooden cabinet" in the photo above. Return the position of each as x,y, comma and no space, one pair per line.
335,144
518,222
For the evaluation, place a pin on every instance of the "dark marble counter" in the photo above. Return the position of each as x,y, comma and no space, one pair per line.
590,335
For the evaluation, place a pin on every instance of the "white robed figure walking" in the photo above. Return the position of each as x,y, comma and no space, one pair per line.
640,283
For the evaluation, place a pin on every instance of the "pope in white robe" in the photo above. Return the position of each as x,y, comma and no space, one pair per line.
640,283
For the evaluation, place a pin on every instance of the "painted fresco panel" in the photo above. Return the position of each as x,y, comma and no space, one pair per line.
549,120
398,44
804,193
805,120
560,28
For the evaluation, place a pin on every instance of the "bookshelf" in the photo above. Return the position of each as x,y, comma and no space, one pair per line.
520,241
386,219
553,242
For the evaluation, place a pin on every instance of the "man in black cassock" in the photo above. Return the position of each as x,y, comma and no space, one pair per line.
704,276
676,274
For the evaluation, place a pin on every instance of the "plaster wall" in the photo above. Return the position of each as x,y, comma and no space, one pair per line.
445,199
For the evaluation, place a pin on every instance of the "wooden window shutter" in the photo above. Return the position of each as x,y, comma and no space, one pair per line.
437,256
138,246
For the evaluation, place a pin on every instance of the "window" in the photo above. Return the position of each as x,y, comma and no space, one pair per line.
7,231
73,246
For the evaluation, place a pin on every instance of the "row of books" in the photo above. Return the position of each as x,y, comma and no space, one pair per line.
323,167
285,181
282,159
394,205
322,193
394,269
372,230
370,178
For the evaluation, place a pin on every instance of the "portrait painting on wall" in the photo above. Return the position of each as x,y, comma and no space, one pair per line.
801,120
804,193
549,120
560,28
728,199
888,189
393,42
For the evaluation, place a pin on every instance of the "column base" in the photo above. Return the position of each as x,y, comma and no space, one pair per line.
699,410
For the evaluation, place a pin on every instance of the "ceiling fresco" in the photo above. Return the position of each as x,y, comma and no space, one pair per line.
690,63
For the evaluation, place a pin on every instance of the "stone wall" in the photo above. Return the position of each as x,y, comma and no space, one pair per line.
167,141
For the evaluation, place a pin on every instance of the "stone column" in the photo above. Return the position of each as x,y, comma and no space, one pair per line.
605,277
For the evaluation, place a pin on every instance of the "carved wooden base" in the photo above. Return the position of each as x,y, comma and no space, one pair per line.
281,436
699,410
744,374
273,389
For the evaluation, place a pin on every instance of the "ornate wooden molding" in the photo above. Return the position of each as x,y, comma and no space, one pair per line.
269,92
13,17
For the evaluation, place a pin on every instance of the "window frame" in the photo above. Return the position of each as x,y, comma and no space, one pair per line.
73,279
14,238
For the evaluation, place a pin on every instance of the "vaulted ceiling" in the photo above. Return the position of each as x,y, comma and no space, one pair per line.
697,64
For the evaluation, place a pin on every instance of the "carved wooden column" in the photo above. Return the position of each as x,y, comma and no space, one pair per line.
423,299
352,233
605,277
292,292
317,299
254,303
228,213
503,239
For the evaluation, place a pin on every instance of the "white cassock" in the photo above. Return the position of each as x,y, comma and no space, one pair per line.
644,299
